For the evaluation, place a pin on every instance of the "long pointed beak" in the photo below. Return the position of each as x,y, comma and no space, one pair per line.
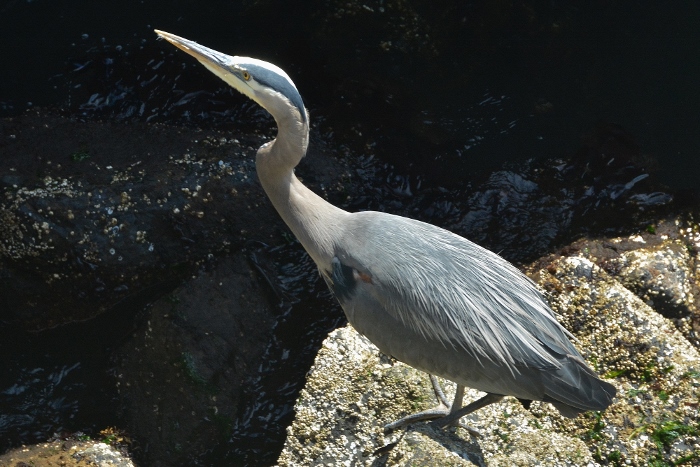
216,62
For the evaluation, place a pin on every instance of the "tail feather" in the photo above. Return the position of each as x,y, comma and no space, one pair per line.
575,388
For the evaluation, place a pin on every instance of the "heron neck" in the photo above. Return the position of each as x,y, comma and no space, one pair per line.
312,219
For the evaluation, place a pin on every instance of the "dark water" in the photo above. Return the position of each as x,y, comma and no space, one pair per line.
506,85
55,382
310,313
496,83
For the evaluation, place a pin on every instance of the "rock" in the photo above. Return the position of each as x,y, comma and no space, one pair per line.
659,265
662,277
341,414
103,455
181,377
175,205
92,213
353,390
95,212
66,453
652,364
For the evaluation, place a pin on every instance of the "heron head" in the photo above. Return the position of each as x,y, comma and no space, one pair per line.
263,82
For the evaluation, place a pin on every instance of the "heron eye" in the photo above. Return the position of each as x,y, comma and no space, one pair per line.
246,76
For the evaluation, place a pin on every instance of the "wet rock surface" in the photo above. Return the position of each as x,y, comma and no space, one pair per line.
352,390
92,213
91,216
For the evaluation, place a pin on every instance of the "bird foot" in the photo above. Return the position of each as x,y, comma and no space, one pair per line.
430,414
443,415
472,431
440,416
457,413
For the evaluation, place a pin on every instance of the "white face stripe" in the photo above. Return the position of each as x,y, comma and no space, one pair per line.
232,77
264,77
266,67
268,75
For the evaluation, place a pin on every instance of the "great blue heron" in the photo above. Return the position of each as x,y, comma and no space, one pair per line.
421,294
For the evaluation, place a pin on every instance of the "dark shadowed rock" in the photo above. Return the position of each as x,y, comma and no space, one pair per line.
181,377
92,213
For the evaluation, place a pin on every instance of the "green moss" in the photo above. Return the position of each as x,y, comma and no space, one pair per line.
417,399
80,155
190,366
664,435
504,436
113,436
595,433
656,462
635,392
615,458
670,430
534,422
615,374
687,460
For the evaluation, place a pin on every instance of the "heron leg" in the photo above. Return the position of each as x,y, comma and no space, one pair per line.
457,401
441,412
456,407
442,409
430,414
439,394
455,415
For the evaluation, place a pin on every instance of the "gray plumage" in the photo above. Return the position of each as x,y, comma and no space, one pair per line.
447,306
422,294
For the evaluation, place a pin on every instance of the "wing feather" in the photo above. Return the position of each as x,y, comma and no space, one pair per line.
449,289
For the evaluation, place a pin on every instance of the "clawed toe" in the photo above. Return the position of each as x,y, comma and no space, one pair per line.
448,421
431,414
443,415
